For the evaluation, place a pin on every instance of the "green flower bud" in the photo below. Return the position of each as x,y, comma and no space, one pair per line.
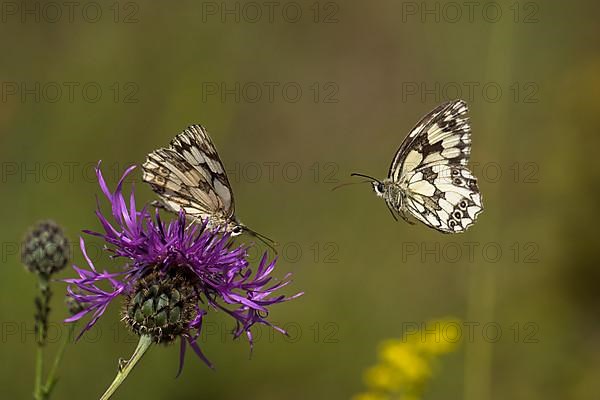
45,249
160,305
74,306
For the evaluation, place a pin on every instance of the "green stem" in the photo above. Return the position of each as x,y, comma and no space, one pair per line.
52,379
41,325
481,303
39,369
124,370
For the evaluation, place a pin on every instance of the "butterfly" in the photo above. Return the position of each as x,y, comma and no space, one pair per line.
429,178
189,175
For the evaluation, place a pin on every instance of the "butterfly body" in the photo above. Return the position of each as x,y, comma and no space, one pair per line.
429,178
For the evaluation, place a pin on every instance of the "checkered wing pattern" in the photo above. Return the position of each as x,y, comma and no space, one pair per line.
431,168
189,175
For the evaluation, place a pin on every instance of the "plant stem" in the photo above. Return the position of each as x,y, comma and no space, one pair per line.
39,369
124,370
41,325
52,379
482,286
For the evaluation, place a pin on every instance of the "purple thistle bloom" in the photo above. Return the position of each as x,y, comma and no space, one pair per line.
174,274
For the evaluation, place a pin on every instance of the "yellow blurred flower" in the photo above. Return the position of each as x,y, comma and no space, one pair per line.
405,358
405,366
371,396
383,377
440,337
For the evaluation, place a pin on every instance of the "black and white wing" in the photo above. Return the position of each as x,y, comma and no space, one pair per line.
190,175
431,165
444,197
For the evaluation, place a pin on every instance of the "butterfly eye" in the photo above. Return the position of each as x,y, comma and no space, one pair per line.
236,230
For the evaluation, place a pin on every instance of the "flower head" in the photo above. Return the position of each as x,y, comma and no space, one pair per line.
173,275
45,249
406,365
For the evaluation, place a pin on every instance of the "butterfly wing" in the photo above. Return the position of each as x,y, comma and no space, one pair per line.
440,191
444,197
443,135
190,175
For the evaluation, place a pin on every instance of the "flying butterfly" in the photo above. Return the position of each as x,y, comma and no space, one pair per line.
428,178
189,175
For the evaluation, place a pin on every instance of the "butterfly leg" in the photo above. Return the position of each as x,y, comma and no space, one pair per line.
192,222
392,211
398,211
405,217
158,204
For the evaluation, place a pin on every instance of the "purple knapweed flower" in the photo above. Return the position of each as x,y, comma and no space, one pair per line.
174,273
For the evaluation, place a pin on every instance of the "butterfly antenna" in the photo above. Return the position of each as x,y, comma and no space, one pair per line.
348,184
365,176
266,240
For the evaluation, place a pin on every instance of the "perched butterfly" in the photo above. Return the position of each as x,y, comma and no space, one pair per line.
429,178
189,175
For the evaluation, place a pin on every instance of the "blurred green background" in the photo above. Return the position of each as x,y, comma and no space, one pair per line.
113,81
